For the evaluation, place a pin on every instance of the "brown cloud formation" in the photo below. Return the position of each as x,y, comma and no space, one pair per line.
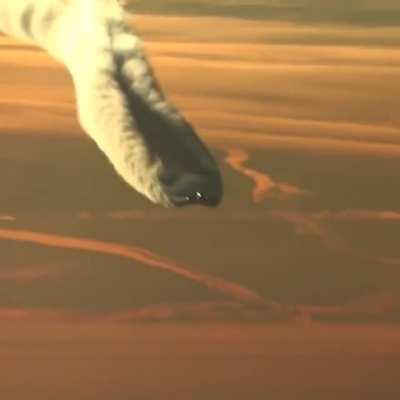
360,215
246,216
247,86
263,92
216,311
313,224
264,186
310,12
146,257
266,85
384,307
309,224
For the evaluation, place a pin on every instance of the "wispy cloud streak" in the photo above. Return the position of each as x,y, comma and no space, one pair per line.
27,274
313,224
360,215
144,256
264,186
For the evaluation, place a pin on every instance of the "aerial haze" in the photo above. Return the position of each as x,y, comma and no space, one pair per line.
290,289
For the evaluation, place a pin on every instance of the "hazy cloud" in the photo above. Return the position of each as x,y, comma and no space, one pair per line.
366,13
144,256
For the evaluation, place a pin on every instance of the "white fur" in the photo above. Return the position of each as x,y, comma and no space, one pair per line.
108,66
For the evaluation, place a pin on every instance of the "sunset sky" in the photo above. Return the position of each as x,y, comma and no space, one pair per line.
299,266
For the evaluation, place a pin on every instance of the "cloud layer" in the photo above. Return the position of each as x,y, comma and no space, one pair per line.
303,118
